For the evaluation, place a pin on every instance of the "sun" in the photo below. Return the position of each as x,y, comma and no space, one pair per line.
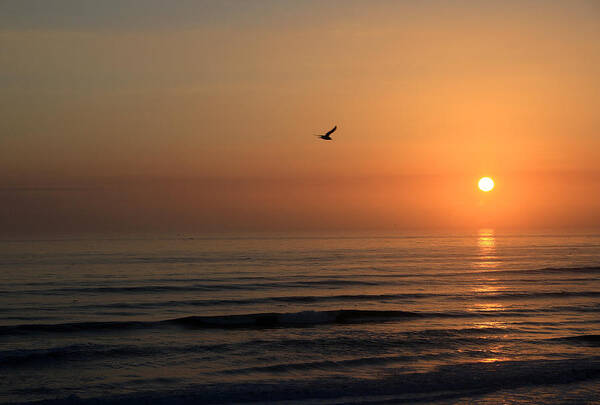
486,184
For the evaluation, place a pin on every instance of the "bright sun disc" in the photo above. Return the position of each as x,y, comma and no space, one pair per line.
486,184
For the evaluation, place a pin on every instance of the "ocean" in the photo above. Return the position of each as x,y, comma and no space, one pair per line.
480,317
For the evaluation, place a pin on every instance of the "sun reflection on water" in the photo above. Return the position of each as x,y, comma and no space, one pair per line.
485,286
490,325
486,242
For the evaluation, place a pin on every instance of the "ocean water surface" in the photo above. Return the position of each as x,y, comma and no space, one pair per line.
436,318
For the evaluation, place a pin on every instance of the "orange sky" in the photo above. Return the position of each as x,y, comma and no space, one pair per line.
198,116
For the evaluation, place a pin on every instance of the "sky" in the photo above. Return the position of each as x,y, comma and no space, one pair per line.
198,116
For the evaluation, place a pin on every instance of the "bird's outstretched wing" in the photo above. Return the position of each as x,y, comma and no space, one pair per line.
331,130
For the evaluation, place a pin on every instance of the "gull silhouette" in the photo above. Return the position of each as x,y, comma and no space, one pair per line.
326,136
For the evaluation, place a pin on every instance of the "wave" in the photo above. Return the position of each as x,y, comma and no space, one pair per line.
462,380
90,351
313,318
12,358
466,381
321,299
294,319
71,327
331,364
255,320
342,345
592,340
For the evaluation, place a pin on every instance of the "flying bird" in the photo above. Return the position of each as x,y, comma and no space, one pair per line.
326,136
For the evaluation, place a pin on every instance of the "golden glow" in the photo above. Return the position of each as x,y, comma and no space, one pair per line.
478,89
486,184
